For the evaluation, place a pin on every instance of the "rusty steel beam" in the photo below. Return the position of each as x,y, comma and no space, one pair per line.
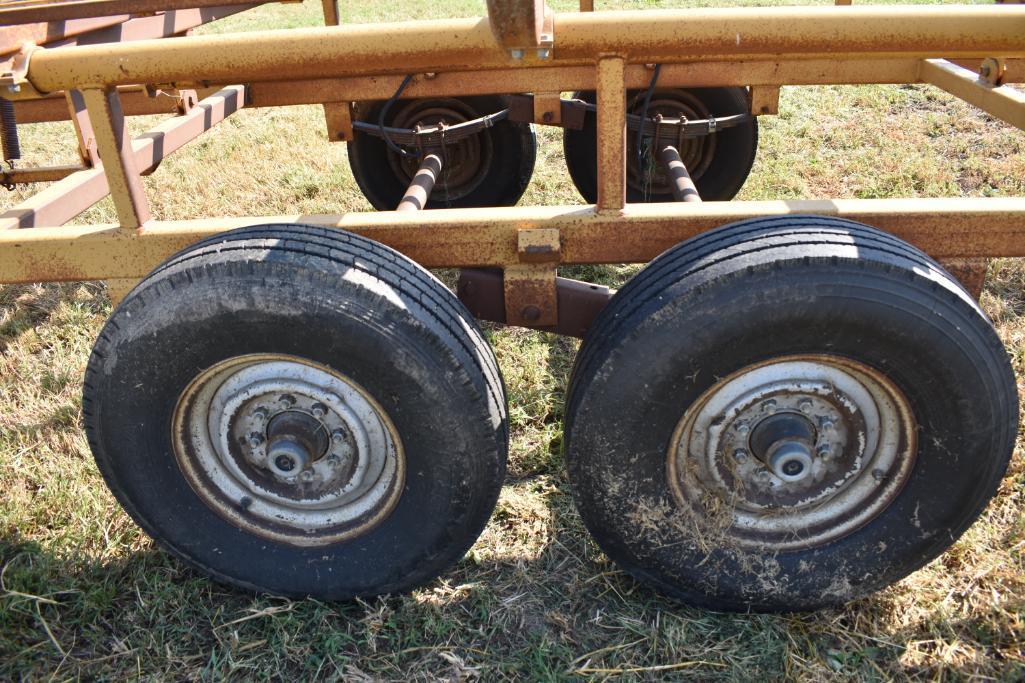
37,174
34,12
67,198
13,36
611,121
114,146
1001,102
944,227
134,102
640,36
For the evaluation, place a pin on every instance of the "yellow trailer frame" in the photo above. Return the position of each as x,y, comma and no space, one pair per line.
969,51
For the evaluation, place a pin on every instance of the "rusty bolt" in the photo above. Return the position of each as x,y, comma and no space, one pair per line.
531,313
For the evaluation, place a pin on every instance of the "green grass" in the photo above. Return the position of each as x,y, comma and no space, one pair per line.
84,594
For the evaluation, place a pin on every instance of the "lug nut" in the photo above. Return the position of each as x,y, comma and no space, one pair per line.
318,410
333,460
261,414
255,439
743,428
287,400
827,425
805,406
740,455
770,405
306,476
338,436
825,451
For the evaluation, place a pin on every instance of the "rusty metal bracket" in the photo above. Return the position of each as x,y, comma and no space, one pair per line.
339,121
483,292
530,297
548,108
526,29
764,100
539,245
14,83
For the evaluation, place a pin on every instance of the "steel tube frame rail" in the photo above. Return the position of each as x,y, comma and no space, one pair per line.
640,37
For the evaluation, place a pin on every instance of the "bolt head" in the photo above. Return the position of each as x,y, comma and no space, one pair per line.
333,460
516,54
740,455
261,413
306,476
825,451
287,400
769,406
255,439
805,406
743,428
319,410
338,436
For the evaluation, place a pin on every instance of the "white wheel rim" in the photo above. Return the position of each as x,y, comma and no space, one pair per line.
862,447
288,449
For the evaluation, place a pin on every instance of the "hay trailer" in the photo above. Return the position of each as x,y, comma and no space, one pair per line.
793,404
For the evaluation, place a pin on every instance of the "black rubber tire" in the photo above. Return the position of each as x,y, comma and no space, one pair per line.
754,291
514,148
337,299
721,181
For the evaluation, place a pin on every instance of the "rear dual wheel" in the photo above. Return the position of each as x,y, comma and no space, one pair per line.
301,411
787,414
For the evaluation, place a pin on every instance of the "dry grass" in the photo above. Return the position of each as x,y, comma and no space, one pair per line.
83,593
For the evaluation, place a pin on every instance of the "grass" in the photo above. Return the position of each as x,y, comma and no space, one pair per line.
84,594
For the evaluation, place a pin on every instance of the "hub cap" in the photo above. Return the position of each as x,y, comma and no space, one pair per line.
793,453
288,449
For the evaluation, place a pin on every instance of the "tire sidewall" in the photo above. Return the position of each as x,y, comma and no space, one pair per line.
618,458
453,453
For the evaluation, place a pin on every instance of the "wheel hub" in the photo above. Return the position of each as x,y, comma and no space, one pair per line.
696,153
466,161
802,451
289,449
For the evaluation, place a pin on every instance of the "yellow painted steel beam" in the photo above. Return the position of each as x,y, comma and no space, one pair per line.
778,33
945,228
1002,102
